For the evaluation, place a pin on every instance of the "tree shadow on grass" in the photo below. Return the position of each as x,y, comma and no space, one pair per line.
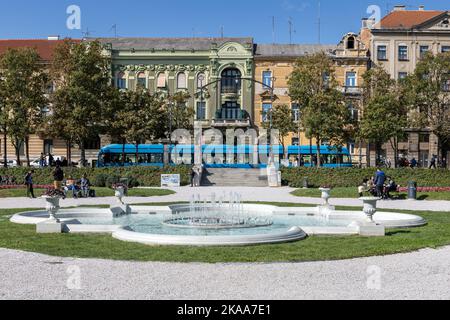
397,232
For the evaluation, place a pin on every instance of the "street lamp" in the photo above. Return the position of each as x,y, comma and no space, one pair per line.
272,100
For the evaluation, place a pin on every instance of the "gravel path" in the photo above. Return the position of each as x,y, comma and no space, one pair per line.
420,275
248,194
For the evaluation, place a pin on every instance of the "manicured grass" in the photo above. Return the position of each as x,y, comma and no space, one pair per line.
100,192
24,237
353,193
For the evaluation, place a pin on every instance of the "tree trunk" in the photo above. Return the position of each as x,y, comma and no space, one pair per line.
69,153
27,146
5,150
123,152
319,160
17,146
83,154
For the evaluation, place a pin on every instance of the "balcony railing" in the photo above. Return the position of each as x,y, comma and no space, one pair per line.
231,117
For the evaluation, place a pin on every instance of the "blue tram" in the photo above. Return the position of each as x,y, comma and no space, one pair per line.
222,156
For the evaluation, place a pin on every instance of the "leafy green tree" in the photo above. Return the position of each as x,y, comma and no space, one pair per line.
281,120
429,97
178,113
81,73
23,88
313,86
385,111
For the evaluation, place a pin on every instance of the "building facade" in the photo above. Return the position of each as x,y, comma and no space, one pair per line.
397,43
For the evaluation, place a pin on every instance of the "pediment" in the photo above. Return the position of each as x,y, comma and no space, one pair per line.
439,23
232,48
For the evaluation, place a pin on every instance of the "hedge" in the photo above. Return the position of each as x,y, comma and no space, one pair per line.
142,176
351,177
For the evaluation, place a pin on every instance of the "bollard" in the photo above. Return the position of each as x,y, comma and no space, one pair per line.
412,190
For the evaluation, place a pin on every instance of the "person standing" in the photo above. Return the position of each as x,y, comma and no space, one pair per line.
433,162
50,159
193,176
29,184
42,161
58,177
380,179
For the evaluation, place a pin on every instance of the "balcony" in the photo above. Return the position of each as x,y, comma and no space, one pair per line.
351,90
231,117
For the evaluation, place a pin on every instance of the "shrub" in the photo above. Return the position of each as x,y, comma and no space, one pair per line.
351,177
112,180
100,180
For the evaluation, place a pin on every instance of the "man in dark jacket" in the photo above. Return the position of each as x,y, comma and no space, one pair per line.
380,179
58,177
29,184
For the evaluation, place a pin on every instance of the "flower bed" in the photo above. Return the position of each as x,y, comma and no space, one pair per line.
427,189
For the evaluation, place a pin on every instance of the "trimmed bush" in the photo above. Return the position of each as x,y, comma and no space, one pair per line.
351,177
143,176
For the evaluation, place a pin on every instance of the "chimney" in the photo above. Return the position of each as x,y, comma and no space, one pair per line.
400,8
368,23
422,8
53,38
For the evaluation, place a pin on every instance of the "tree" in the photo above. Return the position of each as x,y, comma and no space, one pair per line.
81,73
313,86
281,120
179,115
138,117
23,88
429,97
384,116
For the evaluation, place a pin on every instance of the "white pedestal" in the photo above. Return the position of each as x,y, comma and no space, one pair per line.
50,227
368,229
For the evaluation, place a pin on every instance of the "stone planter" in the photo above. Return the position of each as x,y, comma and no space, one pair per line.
326,196
370,207
52,207
120,193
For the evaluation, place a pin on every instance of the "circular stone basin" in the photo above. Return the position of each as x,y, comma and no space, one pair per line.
255,224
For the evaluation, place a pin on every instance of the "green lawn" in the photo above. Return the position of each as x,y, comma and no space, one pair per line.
100,192
353,193
24,237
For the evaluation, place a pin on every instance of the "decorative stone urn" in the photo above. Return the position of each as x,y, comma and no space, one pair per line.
370,207
120,193
326,196
52,207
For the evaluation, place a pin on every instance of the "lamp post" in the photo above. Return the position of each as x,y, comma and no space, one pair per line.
272,99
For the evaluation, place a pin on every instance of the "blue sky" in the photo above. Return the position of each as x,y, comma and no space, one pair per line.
199,18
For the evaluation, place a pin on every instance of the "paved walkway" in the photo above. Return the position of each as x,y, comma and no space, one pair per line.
419,275
248,194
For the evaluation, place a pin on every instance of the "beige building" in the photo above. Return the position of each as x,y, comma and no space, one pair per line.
397,44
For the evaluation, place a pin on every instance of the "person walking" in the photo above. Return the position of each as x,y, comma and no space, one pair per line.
380,179
29,184
42,161
51,159
193,176
433,162
58,177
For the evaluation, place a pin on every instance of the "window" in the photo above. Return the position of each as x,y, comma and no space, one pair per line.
424,138
351,43
296,112
48,146
142,80
354,112
93,143
121,81
382,53
181,81
402,53
161,82
267,78
402,75
201,110
423,51
445,49
231,80
446,84
350,79
266,107
201,80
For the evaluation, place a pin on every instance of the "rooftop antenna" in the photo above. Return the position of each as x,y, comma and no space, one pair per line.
273,29
114,27
87,34
291,29
221,31
319,23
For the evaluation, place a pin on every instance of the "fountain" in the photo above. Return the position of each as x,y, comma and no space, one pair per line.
204,214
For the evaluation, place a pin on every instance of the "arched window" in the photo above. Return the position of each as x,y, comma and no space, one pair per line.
121,81
231,80
181,81
161,83
142,80
351,42
201,80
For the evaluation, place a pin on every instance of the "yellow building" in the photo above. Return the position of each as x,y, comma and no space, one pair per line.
274,64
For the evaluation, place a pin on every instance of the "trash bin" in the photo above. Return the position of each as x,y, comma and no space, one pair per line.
412,190
305,183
